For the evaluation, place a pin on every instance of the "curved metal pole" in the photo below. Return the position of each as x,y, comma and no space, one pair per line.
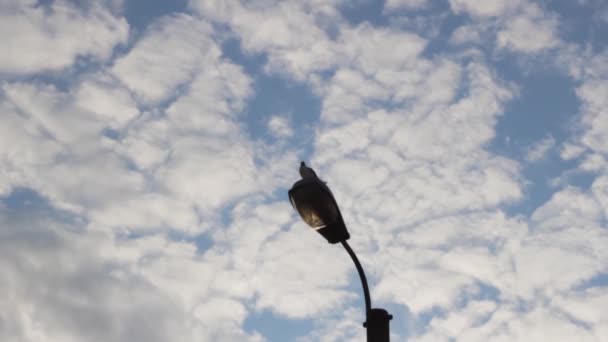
368,301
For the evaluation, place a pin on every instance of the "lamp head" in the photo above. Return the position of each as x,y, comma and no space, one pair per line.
315,203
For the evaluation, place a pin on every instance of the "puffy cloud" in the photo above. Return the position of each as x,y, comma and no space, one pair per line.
460,324
407,147
279,126
313,276
483,9
206,173
286,31
507,325
595,114
465,35
93,180
518,26
63,282
29,31
213,101
391,5
53,111
530,32
532,268
372,49
570,151
166,58
343,328
447,259
100,95
54,120
591,142
540,149
181,156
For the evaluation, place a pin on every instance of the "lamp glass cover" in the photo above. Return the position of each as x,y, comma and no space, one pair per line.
315,205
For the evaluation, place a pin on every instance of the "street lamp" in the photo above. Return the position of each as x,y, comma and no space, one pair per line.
315,203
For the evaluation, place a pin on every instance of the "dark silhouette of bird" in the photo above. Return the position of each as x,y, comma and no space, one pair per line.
307,172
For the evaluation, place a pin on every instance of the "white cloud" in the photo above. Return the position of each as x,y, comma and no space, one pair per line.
66,283
465,35
484,8
592,72
447,258
313,274
101,95
29,32
531,31
595,119
540,149
147,212
594,162
405,146
52,118
533,268
600,191
52,111
213,101
279,126
21,147
168,56
371,49
569,207
160,171
391,5
345,327
206,173
286,31
570,151
376,71
519,26
510,324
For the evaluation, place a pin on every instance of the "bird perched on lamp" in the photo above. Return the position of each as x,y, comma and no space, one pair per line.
307,172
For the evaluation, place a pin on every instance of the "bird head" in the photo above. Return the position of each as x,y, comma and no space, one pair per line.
306,172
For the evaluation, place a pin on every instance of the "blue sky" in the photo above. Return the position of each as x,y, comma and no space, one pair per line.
146,149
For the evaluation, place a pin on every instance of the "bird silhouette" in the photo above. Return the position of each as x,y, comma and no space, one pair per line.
307,172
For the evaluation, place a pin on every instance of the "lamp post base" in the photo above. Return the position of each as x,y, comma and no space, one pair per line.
377,326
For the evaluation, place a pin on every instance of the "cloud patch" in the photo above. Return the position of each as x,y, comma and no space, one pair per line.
41,38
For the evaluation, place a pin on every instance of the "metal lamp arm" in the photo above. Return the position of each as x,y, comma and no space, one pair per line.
368,301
